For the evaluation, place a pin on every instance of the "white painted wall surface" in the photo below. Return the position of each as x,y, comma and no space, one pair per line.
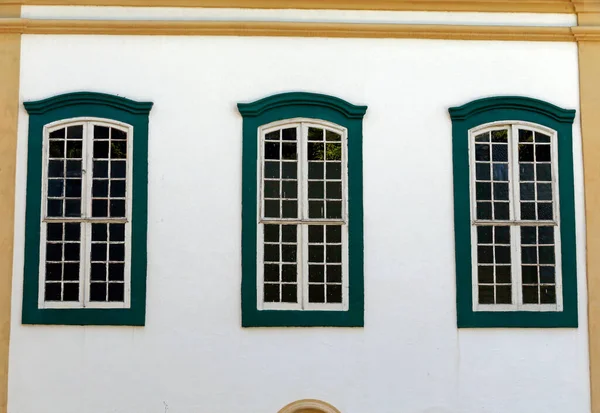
193,356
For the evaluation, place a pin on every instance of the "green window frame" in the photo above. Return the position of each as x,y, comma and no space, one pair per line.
83,106
512,110
307,107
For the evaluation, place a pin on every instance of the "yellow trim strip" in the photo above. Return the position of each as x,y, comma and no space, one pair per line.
523,6
287,29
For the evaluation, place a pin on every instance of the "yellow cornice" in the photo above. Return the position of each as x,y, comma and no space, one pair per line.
523,6
286,29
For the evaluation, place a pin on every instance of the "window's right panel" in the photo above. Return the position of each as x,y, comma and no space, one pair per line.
514,214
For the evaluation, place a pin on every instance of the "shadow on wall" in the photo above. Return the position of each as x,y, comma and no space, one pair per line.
309,406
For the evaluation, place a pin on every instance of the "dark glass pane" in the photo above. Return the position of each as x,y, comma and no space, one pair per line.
482,171
525,135
97,291
73,169
527,192
482,152
72,207
332,136
71,271
57,149
334,190
500,136
100,132
99,232
53,252
98,272
271,293
542,153
289,134
99,208
118,169
503,274
288,233
544,192
71,292
271,233
117,252
98,252
52,292
502,255
100,169
272,209
116,292
54,232
316,190
316,293
288,273
117,232
53,272
56,169
55,187
527,210
116,271
289,293
334,170
483,191
289,189
529,274
500,153
58,134
526,172
74,149
101,150
315,233
500,172
316,209
486,294
334,293
484,235
545,210
315,151
289,170
540,137
548,294
334,273
272,189
503,294
334,151
546,255
271,252
288,253
334,209
73,188
271,169
315,170
485,255
118,150
288,151
72,232
501,192
484,210
544,172
117,188
118,134
529,255
547,274
484,137
315,134
528,235
289,209
272,136
315,253
271,272
316,273
502,235
75,132
72,252
334,253
525,153
334,233
55,208
530,294
546,235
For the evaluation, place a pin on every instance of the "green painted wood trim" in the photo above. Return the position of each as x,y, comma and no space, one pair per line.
513,108
98,105
311,106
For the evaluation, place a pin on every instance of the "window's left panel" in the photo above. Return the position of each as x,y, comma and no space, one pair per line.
86,211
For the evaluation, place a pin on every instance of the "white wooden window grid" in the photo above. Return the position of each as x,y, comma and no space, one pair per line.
86,218
302,222
515,222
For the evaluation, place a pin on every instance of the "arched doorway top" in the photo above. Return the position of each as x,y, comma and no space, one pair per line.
309,406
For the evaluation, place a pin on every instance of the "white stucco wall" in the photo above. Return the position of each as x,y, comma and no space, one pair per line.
192,356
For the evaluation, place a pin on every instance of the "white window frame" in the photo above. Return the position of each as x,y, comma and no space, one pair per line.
86,219
515,222
302,125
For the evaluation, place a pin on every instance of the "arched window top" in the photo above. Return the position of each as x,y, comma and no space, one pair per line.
309,406
87,98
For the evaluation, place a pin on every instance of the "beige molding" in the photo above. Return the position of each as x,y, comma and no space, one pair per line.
523,6
309,406
286,29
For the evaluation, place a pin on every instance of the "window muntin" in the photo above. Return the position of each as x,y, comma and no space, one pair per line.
86,214
302,236
515,222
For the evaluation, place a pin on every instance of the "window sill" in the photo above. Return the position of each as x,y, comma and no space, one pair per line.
296,318
85,316
517,319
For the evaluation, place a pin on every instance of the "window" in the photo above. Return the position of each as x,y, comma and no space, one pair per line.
86,210
515,243
302,244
